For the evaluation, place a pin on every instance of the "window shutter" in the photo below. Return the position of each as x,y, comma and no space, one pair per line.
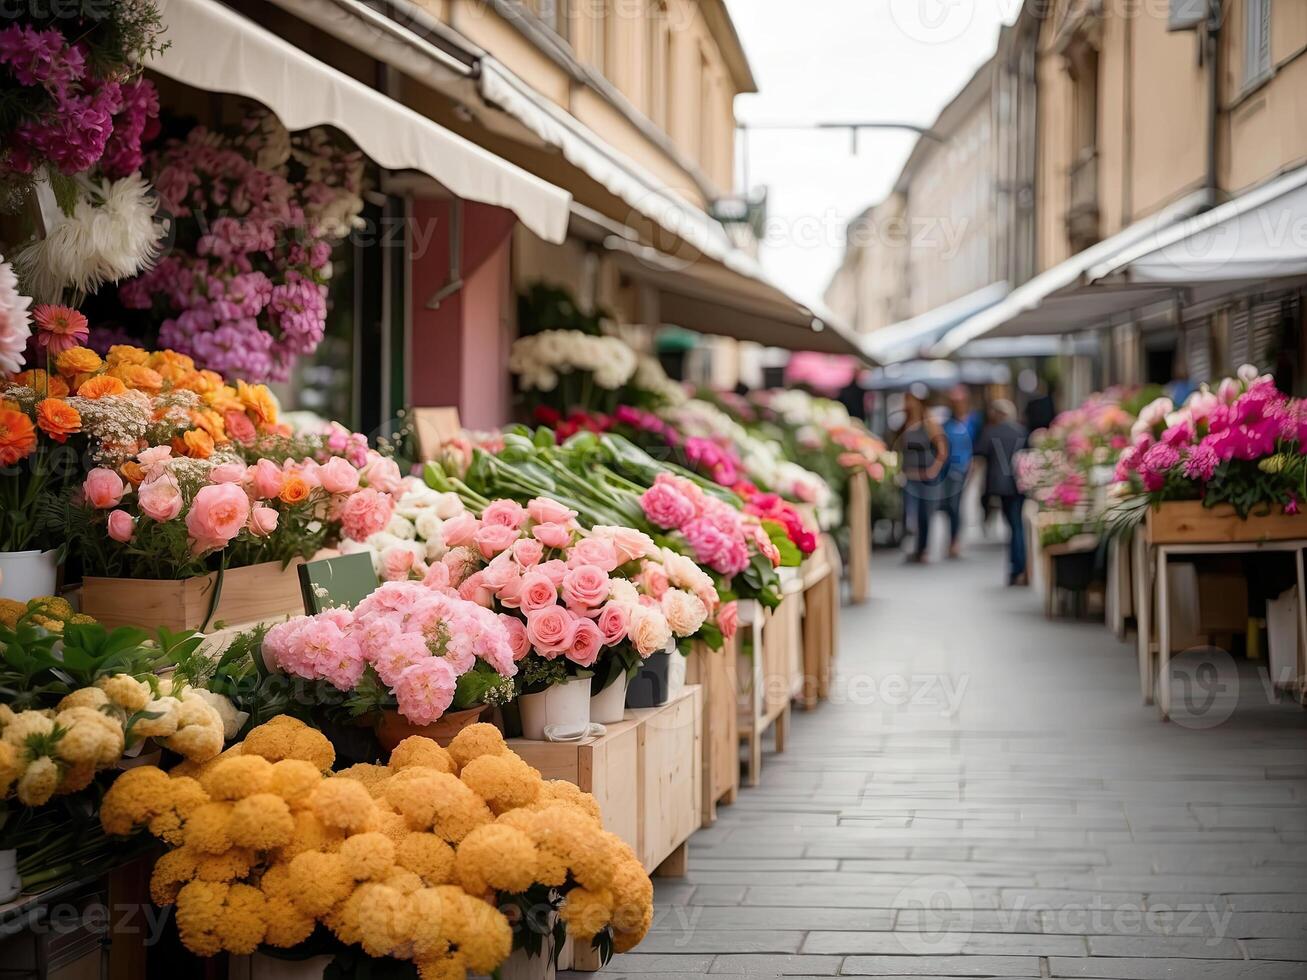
1257,40
1198,350
1264,335
1239,346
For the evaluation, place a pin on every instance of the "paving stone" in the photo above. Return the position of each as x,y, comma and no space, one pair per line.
693,940
953,938
658,963
1172,969
777,966
942,966
802,919
1161,947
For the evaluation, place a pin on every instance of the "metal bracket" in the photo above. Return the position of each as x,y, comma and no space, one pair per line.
454,280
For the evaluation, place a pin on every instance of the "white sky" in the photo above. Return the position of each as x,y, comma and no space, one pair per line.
843,61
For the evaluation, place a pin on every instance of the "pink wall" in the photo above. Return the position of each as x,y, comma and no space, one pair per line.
460,350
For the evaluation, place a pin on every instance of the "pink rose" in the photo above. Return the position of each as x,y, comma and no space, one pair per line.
160,499
307,469
630,543
653,577
103,488
556,571
266,478
437,577
474,589
396,563
528,551
666,506
263,520
551,630
545,511
121,526
337,475
507,513
365,513
612,623
538,592
500,572
381,473
594,551
227,473
239,427
491,539
517,638
728,619
154,460
218,513
585,587
587,643
458,531
552,535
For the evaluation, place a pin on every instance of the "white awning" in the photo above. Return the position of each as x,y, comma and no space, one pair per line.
1056,300
908,339
1261,234
213,48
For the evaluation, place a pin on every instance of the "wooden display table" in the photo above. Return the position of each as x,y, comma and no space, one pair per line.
821,607
859,520
715,672
771,674
1189,528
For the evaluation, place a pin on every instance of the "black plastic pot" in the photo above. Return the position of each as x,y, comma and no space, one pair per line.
649,685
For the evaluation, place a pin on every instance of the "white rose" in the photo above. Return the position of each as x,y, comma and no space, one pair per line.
402,528
648,630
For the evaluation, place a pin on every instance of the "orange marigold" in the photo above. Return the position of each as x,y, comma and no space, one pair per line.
17,436
295,490
42,383
195,443
101,386
139,377
259,401
78,360
57,419
211,422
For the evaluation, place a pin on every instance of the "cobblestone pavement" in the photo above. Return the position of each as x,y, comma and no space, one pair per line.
987,796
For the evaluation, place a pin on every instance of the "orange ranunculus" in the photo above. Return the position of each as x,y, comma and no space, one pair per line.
169,361
101,386
195,443
57,419
138,377
133,472
126,354
17,435
77,360
259,401
42,383
295,490
211,422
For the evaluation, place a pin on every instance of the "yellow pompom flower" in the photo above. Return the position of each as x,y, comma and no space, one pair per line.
495,857
586,913
487,939
319,882
237,777
196,769
343,803
199,916
632,896
561,791
9,768
205,830
427,907
404,882
450,965
370,775
285,737
83,738
287,925
368,855
182,796
84,697
25,725
135,797
293,780
231,864
125,691
76,777
505,782
383,921
173,869
261,821
310,834
243,925
418,751
388,822
427,856
199,743
38,782
475,741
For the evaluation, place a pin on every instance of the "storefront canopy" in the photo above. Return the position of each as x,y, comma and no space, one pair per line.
1259,235
1059,300
213,48
908,339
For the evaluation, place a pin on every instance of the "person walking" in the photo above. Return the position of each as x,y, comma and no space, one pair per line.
960,431
999,443
925,455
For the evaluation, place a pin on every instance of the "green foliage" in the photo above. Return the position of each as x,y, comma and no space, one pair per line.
545,307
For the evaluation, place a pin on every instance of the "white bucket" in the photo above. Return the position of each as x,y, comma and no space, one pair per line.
608,707
10,883
563,706
675,671
28,574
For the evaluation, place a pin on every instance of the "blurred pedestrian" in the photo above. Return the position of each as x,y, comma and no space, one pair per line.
1000,441
925,455
960,430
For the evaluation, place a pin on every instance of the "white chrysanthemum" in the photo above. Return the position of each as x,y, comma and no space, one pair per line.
111,235
15,322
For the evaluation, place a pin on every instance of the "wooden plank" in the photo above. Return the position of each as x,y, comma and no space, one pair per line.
670,773
1189,522
715,672
859,521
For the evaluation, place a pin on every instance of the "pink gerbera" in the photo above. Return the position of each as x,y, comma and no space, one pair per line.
59,328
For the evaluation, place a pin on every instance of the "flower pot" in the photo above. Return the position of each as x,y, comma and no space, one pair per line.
10,883
254,593
565,707
676,669
649,687
608,707
393,728
28,574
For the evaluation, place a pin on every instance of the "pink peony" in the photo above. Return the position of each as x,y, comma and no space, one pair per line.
653,579
518,641
218,513
121,526
587,644
398,563
227,473
266,478
160,499
504,513
612,623
405,650
491,539
474,589
542,510
425,690
552,535
103,488
666,506
365,513
551,630
585,587
337,475
538,592
263,520
437,576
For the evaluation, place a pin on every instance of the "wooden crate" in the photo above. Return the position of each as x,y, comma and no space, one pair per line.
646,773
771,676
821,600
859,521
255,593
715,672
1189,522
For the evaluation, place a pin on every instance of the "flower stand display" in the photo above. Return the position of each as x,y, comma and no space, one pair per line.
859,517
821,604
714,671
771,675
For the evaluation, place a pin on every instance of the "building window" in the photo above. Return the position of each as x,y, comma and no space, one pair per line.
1257,41
660,56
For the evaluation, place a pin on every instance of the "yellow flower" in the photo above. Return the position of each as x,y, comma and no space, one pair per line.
343,803
383,920
197,743
261,821
199,916
38,782
632,896
487,939
427,856
370,775
561,791
8,767
319,882
438,801
311,834
237,777
293,779
285,737
26,725
182,797
11,610
125,691
227,866
78,360
82,738
84,697
206,829
586,912
243,925
76,777
496,857
126,354
258,401
287,925
418,751
404,882
450,965
135,796
173,869
474,741
369,855
167,714
505,782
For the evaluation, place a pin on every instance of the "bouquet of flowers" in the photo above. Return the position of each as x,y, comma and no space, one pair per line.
1075,455
1242,444
412,862
244,291
568,368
